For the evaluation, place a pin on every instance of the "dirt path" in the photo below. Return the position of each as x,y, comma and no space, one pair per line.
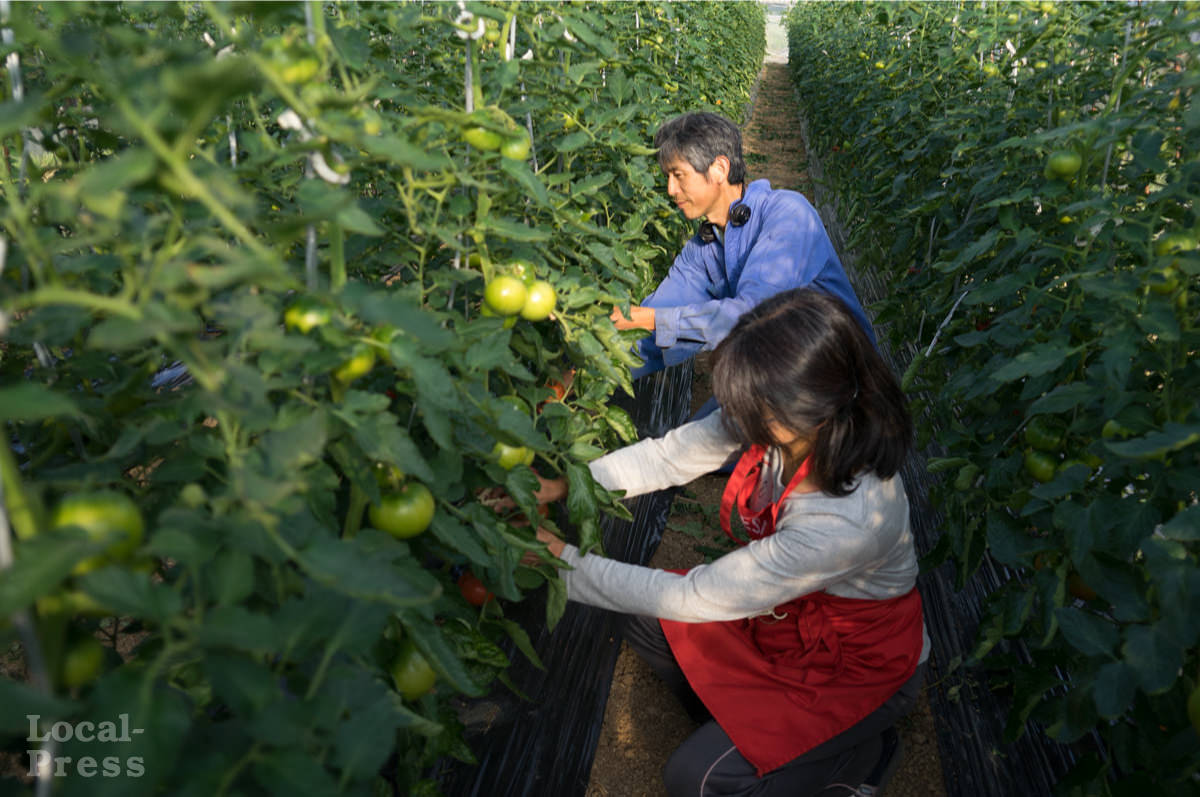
643,723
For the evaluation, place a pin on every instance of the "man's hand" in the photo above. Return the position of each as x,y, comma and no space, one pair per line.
640,318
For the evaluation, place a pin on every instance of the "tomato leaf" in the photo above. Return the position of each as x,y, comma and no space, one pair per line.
1041,358
511,230
370,567
1173,437
1114,689
460,538
21,701
1088,633
1185,526
521,639
41,564
239,628
520,171
556,601
400,152
29,401
582,504
1064,397
1153,655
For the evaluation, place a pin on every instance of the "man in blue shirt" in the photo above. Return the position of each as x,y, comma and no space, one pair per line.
755,242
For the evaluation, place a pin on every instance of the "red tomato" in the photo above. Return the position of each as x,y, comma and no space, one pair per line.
473,590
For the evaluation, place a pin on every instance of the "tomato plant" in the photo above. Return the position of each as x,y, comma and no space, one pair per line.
230,208
1042,156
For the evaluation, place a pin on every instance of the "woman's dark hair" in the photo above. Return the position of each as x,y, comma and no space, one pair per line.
802,360
698,138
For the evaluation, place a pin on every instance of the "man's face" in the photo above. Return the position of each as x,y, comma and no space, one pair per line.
692,191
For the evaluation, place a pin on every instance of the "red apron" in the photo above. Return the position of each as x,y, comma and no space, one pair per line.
781,684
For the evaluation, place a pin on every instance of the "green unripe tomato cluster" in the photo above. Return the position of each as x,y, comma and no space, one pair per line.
507,295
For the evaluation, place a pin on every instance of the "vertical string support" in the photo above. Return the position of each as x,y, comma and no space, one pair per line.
38,672
510,49
13,63
310,234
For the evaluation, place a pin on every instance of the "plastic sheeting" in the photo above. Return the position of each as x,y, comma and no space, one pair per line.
544,747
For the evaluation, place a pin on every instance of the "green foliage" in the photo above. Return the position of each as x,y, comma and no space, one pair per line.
1058,305
175,178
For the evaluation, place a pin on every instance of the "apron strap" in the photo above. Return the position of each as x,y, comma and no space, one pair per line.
745,473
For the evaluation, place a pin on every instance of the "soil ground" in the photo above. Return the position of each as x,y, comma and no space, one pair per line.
643,723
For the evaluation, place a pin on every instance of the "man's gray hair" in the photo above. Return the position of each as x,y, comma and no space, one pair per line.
699,138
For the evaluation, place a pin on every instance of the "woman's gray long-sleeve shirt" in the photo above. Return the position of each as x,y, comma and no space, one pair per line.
855,546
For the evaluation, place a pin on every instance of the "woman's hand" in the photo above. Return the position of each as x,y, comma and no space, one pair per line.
552,541
548,492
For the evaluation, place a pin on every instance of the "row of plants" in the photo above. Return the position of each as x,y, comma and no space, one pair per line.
1025,175
283,288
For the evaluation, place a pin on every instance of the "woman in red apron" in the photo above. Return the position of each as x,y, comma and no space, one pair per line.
799,650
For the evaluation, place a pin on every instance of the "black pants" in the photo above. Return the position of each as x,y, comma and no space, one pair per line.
708,764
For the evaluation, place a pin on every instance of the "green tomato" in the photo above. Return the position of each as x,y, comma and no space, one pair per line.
1067,464
82,662
411,673
508,457
301,70
539,301
359,364
1040,465
505,295
1163,281
1043,434
306,314
517,147
1173,243
482,138
404,513
192,495
106,515
1062,164
965,479
1114,428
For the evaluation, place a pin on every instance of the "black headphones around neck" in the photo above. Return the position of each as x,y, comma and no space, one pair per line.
739,215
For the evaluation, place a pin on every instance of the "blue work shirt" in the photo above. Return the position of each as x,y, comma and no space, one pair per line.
782,246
